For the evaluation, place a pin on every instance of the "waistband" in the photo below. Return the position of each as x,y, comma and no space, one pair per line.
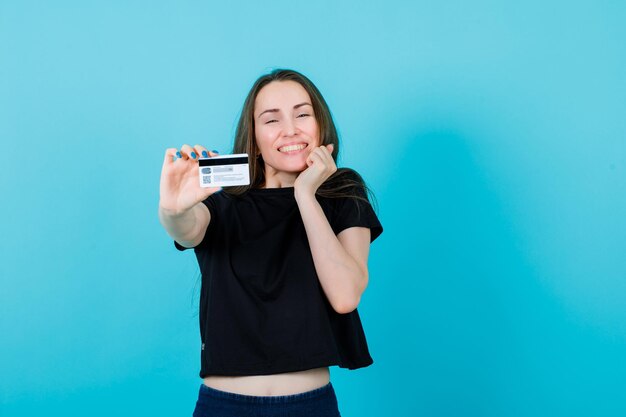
326,390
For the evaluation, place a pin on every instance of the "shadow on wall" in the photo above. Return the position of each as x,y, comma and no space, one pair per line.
456,282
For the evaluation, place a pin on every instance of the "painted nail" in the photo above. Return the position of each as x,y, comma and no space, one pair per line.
215,151
178,155
205,154
193,155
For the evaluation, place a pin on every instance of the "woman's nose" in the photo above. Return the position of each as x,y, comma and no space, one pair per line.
290,128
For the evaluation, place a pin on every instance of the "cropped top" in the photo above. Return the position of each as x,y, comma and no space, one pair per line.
262,308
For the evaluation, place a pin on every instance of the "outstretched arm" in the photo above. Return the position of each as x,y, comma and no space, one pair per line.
181,212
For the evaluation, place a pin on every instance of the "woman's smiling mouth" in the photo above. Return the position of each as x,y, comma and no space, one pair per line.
292,148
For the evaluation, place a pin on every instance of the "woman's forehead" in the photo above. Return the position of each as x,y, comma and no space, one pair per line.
281,93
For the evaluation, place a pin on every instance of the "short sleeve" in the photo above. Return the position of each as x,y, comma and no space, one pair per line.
355,212
209,202
180,247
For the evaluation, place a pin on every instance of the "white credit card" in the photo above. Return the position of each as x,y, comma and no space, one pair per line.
224,170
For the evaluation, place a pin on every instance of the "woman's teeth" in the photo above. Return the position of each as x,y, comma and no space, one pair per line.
291,148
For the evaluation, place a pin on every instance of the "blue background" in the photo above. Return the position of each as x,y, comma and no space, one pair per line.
493,134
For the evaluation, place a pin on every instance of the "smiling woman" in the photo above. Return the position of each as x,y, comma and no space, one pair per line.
344,183
285,133
283,260
283,103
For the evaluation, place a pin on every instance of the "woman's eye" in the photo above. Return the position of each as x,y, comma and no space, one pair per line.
303,115
271,121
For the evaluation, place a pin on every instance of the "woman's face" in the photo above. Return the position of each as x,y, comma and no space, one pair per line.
285,126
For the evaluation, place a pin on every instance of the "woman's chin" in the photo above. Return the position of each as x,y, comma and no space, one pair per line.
297,170
293,167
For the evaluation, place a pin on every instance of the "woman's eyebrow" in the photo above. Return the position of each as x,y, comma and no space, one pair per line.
302,104
297,106
268,111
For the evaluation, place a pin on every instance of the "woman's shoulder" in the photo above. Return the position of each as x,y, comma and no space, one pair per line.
345,182
349,174
217,199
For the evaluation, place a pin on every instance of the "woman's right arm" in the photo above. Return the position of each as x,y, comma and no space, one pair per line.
181,211
188,227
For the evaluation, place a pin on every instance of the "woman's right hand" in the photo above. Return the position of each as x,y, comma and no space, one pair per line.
180,183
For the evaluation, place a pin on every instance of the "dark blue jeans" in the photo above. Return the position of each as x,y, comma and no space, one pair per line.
320,402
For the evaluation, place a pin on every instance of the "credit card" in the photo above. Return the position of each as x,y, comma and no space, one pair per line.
224,170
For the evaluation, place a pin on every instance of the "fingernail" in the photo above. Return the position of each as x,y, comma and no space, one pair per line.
178,155
205,154
193,155
215,151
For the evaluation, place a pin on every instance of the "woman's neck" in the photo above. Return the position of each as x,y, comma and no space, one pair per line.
275,179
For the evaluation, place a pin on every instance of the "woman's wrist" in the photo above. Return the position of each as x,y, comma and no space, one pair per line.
178,223
173,213
302,195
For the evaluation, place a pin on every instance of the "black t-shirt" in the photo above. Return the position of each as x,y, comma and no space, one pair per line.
262,308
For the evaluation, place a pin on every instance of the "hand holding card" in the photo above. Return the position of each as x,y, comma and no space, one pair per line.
179,189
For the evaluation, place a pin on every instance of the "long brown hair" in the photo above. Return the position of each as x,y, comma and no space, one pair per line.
343,183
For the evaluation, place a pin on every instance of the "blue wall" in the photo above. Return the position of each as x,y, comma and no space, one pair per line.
493,134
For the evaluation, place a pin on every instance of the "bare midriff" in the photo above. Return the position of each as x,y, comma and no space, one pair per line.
288,383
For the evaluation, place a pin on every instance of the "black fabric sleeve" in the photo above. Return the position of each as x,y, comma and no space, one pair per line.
209,202
353,209
180,247
352,212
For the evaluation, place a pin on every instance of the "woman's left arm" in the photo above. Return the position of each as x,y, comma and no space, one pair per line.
340,260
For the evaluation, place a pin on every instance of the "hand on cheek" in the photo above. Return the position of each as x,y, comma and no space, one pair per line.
320,165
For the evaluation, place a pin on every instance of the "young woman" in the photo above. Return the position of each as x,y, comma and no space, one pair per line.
283,260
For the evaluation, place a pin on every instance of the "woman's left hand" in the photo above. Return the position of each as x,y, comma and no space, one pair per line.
321,166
